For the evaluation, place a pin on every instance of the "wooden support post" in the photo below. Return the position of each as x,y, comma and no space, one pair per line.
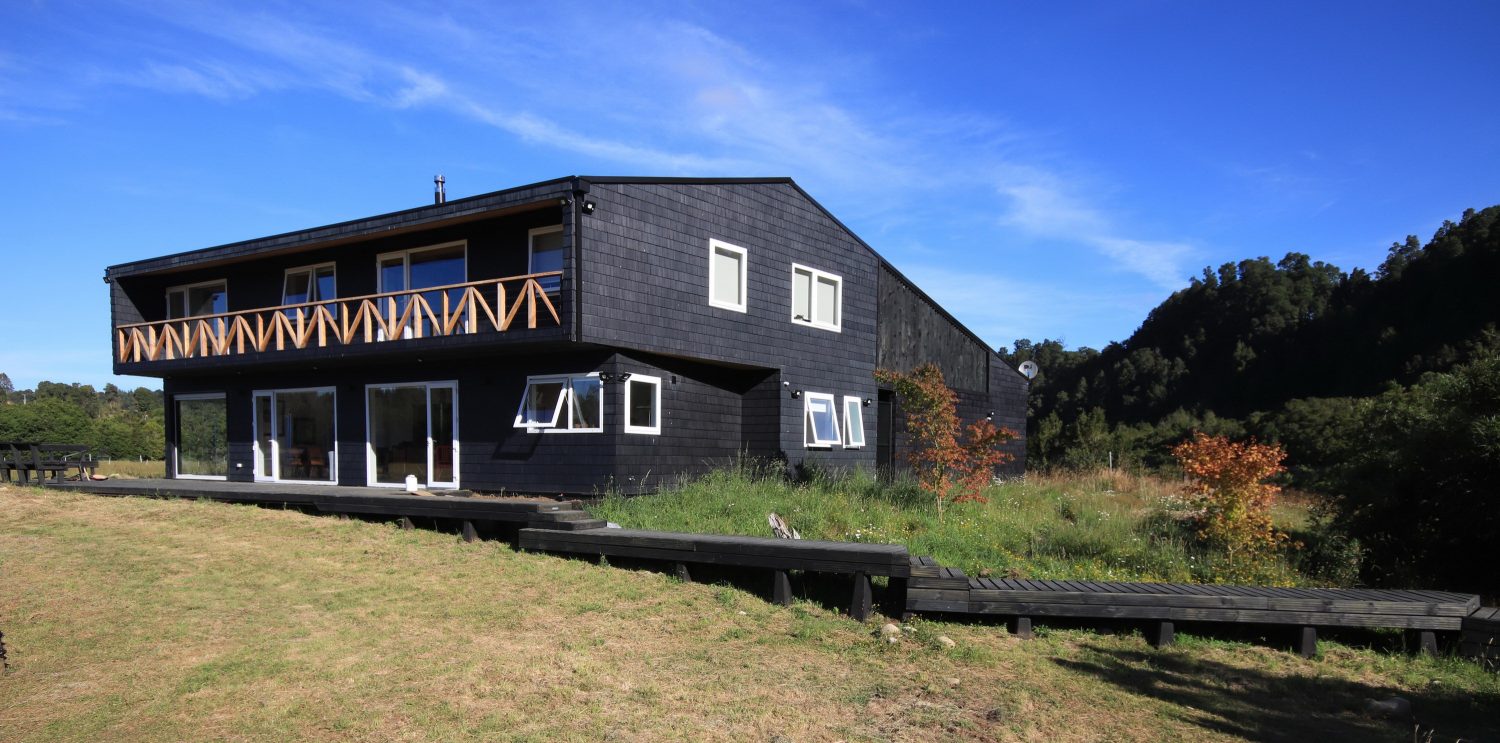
406,523
1307,641
781,588
681,571
894,600
1426,642
1161,634
1021,627
470,533
859,604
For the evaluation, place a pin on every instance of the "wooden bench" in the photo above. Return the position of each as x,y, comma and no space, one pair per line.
58,460
779,555
1162,604
15,462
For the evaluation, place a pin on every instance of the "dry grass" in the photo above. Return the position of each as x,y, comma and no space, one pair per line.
133,469
136,619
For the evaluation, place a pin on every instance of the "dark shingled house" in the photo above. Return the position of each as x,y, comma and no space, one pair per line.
560,337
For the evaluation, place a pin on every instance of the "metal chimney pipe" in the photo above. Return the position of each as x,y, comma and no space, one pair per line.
439,196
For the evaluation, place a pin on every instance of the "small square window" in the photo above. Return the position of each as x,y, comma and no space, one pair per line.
643,404
820,420
854,422
562,403
727,275
817,298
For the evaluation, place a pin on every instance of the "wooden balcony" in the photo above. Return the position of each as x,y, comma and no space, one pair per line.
489,306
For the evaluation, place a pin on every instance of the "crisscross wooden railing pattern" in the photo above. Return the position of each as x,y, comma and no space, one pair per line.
454,309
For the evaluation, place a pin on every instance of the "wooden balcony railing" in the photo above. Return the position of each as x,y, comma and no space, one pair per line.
455,309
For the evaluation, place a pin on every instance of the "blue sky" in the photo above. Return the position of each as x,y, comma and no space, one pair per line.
1043,169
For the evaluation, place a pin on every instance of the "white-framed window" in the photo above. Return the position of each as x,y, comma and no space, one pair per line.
309,284
562,403
728,275
421,268
817,298
544,246
854,422
200,444
820,422
643,404
195,300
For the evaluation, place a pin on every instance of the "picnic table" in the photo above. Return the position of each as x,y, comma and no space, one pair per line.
23,461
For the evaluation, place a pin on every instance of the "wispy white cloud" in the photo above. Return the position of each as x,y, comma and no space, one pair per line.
213,80
1041,204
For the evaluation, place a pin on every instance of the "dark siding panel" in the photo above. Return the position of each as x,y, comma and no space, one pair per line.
647,247
913,333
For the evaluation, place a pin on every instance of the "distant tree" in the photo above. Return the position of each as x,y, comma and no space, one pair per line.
5,386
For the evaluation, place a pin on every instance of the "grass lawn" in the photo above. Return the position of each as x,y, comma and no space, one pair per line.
137,619
1099,526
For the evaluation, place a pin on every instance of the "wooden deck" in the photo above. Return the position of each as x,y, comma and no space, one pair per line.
917,584
778,555
474,512
935,588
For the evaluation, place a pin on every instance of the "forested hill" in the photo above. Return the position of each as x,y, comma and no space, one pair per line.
1233,350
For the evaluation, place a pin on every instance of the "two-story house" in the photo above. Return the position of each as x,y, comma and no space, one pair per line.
559,337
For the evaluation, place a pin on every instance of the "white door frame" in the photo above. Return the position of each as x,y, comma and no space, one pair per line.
450,384
275,474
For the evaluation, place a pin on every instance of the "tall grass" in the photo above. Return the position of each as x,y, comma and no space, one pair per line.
132,468
1092,526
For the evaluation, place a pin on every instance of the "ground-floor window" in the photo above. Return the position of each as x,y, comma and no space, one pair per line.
412,430
643,404
854,422
296,435
562,402
202,439
820,421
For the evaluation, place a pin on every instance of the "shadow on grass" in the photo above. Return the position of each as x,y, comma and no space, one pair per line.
1261,705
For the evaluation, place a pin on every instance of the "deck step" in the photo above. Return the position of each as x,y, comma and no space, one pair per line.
582,524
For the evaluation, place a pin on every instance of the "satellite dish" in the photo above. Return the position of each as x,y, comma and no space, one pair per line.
1028,369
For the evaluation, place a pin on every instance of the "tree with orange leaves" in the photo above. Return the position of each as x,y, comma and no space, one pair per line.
1227,483
952,468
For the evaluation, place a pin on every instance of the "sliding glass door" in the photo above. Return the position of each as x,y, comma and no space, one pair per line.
296,435
412,430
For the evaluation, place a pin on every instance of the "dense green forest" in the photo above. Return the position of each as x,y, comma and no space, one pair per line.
116,423
1384,390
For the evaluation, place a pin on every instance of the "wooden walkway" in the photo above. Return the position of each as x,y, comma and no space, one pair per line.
916,584
777,555
935,588
469,514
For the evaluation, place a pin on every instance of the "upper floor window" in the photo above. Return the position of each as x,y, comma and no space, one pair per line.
439,265
817,298
308,284
562,402
546,254
727,275
194,300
